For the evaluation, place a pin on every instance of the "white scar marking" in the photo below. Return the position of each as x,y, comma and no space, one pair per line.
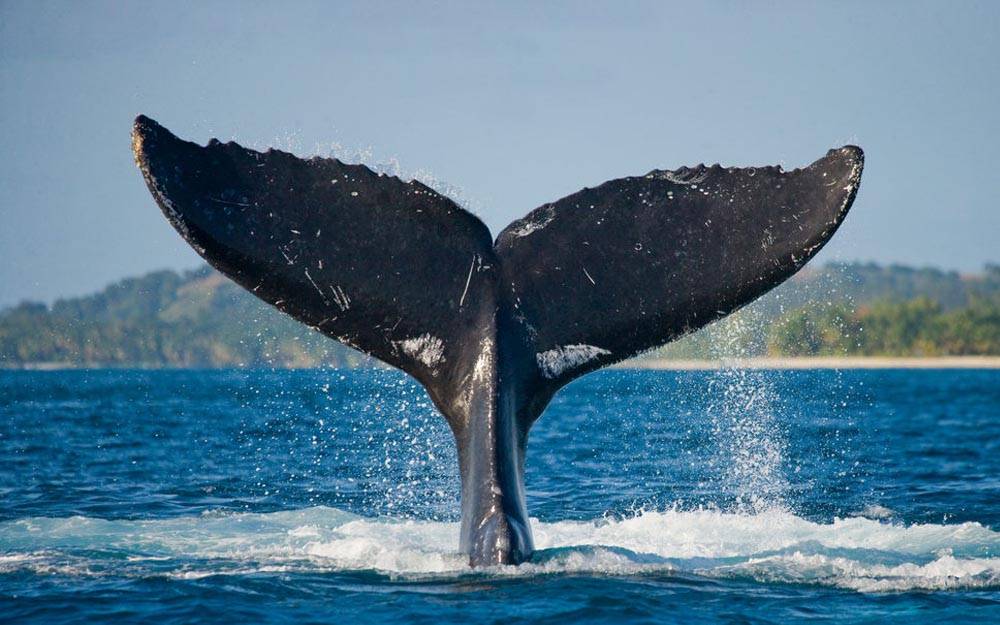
229,202
425,348
481,369
468,280
340,297
683,176
589,277
316,286
556,361
543,219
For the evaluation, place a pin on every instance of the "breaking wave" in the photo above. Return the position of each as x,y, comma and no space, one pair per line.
775,546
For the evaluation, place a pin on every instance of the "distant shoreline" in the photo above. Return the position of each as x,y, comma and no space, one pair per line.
824,362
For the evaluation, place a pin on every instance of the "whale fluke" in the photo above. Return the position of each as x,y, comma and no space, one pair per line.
610,272
493,329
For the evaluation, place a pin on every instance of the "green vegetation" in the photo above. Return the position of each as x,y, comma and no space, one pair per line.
917,327
201,319
859,310
194,319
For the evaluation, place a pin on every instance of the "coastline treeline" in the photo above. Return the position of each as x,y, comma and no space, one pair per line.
917,327
164,319
200,319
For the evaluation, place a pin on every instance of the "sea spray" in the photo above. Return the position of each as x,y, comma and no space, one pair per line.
749,436
369,440
415,472
755,411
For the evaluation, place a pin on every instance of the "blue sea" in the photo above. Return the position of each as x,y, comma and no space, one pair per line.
326,496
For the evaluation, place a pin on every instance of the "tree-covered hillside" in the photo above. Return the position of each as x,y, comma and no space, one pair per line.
192,319
199,318
860,310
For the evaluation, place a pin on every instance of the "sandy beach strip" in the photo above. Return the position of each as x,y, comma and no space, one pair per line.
836,362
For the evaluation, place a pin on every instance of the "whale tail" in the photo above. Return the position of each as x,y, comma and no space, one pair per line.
493,329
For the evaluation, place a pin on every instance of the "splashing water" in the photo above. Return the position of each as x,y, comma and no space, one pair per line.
417,448
387,436
775,546
743,410
291,496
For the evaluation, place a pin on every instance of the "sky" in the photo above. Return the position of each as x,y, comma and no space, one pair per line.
507,106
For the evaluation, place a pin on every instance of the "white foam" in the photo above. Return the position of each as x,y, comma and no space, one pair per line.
774,546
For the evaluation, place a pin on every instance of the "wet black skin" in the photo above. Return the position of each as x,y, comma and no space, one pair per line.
493,329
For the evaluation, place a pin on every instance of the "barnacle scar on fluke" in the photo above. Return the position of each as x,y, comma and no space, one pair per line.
493,329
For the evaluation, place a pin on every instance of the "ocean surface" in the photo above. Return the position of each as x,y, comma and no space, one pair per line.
328,496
